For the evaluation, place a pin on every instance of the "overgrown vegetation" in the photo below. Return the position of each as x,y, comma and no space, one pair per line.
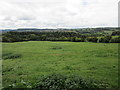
61,82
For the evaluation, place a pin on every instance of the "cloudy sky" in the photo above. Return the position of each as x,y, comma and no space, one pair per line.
58,13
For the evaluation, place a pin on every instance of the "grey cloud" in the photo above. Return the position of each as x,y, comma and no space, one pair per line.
26,18
58,13
7,18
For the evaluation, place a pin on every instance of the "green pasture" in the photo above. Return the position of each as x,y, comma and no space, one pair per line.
28,61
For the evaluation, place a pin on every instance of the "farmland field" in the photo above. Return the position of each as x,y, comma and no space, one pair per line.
28,61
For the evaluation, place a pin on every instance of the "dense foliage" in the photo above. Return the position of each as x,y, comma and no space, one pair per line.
87,35
61,82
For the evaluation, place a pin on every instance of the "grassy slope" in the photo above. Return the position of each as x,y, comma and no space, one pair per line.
95,60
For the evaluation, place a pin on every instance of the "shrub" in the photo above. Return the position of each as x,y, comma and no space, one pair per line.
21,84
73,39
62,82
115,40
116,33
105,39
92,39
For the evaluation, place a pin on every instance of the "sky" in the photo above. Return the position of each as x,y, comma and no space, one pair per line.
58,13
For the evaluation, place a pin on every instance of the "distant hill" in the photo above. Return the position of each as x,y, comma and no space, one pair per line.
36,30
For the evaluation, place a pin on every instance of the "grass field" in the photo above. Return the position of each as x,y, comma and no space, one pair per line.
28,61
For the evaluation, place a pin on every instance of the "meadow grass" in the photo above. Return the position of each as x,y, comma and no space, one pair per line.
98,61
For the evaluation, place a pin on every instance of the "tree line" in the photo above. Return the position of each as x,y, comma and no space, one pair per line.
59,36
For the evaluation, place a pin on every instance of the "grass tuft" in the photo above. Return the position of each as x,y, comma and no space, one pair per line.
11,56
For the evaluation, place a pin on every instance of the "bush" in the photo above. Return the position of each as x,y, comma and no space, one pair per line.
73,39
116,33
92,39
61,82
115,40
105,39
22,84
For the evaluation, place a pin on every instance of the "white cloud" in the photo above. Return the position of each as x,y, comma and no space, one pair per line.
58,13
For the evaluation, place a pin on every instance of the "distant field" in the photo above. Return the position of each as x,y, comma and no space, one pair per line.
28,61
